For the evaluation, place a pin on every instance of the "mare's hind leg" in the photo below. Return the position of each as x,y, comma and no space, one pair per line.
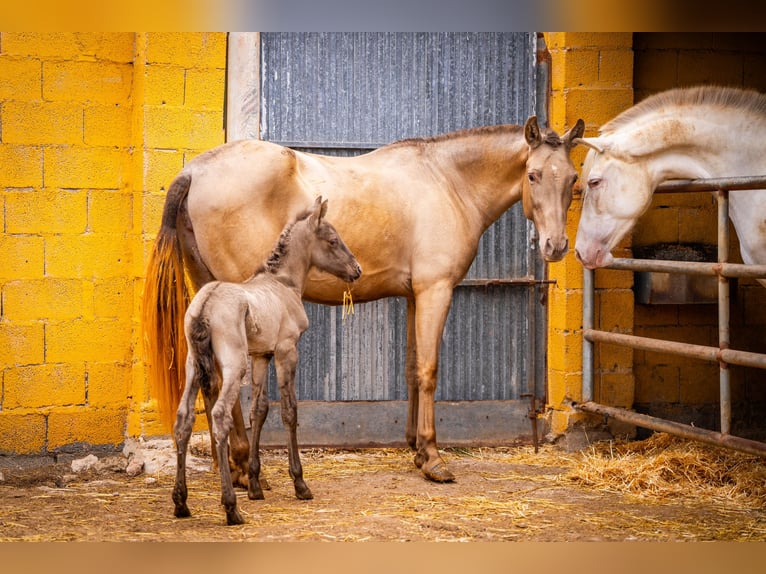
182,432
258,412
232,374
286,360
411,377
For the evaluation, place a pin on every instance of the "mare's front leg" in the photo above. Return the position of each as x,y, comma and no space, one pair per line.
433,305
182,432
259,409
233,372
286,359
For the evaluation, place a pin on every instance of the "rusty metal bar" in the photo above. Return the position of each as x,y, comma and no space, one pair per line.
724,300
689,267
712,184
675,428
701,352
521,281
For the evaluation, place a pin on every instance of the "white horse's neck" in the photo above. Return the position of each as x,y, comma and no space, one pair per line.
695,143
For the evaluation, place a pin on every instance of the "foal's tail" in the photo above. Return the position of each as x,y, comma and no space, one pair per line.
166,297
202,351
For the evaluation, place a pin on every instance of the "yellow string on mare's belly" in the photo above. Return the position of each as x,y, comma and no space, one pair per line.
348,303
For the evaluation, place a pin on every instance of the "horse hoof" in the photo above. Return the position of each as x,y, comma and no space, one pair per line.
233,518
439,473
182,511
255,494
419,460
303,493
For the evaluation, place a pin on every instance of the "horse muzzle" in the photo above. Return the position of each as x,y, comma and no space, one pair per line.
555,250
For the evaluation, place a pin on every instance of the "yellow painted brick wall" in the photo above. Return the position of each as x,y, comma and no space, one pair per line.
92,127
178,111
64,188
592,79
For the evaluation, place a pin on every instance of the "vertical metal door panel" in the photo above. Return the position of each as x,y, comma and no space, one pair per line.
346,93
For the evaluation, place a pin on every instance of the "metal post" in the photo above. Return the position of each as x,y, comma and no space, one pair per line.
588,321
723,310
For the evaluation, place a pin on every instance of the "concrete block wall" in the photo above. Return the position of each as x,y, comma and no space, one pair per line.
592,79
92,127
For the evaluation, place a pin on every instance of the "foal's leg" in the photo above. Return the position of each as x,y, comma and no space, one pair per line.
182,432
259,409
286,360
233,371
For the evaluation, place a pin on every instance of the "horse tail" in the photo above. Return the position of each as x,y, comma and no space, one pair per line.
166,297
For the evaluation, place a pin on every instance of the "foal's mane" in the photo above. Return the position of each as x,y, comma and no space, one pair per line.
274,261
714,96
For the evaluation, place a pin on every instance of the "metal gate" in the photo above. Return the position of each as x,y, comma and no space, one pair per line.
722,354
349,93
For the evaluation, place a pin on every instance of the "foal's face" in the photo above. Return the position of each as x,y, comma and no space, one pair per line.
329,253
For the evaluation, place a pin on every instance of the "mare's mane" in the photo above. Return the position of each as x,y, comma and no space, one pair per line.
549,136
714,96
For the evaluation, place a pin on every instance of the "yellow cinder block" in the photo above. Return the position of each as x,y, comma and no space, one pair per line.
42,122
615,309
94,426
564,349
80,81
86,167
108,384
110,211
22,166
581,67
46,211
160,167
22,432
187,49
565,310
113,298
21,343
575,40
107,125
20,77
116,46
46,385
83,340
205,89
164,85
616,67
23,257
181,128
616,389
40,299
91,255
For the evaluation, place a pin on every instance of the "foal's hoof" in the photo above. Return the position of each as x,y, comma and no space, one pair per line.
439,473
182,511
303,493
420,459
233,518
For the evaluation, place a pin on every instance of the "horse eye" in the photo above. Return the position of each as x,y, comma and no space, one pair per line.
533,178
333,241
594,182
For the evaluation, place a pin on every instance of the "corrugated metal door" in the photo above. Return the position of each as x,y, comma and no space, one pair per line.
347,93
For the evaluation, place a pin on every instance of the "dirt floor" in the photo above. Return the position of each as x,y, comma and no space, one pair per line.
501,494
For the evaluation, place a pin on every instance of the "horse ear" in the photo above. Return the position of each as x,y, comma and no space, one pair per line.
324,210
572,137
593,143
532,132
